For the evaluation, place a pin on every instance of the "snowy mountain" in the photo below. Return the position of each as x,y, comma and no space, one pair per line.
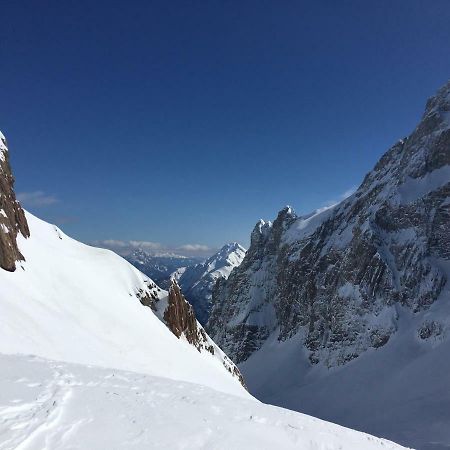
93,354
339,313
198,281
159,267
71,302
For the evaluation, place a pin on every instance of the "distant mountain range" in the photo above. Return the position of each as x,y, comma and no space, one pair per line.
160,267
197,281
196,277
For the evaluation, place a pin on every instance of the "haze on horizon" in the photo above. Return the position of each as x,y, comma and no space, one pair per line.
180,125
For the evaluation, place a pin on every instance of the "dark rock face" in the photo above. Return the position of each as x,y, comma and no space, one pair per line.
337,277
12,216
150,295
180,318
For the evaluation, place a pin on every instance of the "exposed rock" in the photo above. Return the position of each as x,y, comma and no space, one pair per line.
337,277
430,329
12,216
180,318
150,295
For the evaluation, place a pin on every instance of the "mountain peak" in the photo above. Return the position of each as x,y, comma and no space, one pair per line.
198,281
286,214
368,275
226,251
439,101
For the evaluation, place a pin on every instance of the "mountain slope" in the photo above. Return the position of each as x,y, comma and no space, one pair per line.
47,404
317,292
400,392
72,302
198,281
79,304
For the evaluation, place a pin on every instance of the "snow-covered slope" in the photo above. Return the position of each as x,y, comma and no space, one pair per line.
197,281
53,405
72,302
318,292
401,392
64,300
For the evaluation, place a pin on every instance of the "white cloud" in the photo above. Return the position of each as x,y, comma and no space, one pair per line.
36,198
194,248
146,245
124,248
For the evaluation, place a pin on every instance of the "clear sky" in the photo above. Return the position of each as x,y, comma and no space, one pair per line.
184,122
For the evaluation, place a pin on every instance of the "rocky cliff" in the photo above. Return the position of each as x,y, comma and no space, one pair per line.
336,279
179,316
12,217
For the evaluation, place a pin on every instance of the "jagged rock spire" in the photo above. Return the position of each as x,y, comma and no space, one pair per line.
180,317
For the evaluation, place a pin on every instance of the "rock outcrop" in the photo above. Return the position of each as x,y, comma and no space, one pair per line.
179,316
12,216
337,278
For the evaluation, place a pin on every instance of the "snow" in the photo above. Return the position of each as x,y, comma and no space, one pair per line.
48,404
197,281
76,303
400,391
177,274
109,374
306,225
415,188
3,147
365,361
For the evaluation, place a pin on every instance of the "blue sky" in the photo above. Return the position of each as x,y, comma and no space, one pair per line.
183,123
